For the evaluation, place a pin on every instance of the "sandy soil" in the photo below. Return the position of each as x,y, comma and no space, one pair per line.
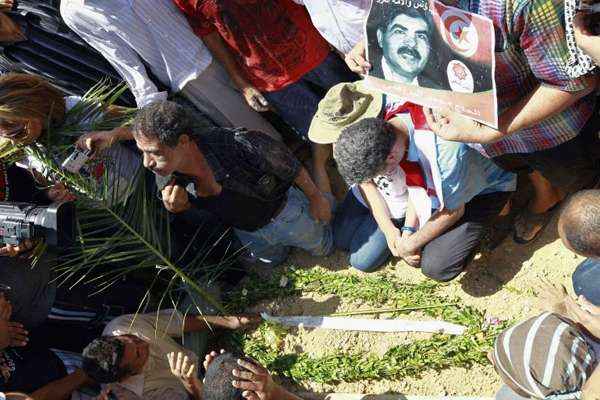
501,284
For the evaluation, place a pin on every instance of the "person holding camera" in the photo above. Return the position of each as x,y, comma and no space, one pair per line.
28,288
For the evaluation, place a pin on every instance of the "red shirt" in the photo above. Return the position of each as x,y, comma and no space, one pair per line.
274,41
412,169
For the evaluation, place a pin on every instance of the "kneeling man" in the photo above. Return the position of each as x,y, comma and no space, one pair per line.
250,181
454,192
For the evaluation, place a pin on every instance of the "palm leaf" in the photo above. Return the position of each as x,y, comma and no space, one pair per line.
121,230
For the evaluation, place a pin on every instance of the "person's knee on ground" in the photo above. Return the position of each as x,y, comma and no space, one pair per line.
432,268
366,264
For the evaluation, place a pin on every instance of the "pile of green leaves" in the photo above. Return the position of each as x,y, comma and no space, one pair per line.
436,353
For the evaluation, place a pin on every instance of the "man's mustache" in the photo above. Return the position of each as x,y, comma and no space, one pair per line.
410,51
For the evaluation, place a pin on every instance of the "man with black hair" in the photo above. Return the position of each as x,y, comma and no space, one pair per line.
405,39
579,229
245,178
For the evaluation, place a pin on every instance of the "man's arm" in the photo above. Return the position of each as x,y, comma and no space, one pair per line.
198,323
257,383
320,208
381,213
62,388
116,51
219,50
438,224
543,103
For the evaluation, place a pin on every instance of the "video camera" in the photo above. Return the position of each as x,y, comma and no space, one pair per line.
55,224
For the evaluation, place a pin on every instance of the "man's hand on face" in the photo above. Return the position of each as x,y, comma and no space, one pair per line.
10,250
255,99
175,198
320,208
584,313
455,127
356,59
255,381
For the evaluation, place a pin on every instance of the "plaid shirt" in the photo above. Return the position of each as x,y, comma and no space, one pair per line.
531,49
246,162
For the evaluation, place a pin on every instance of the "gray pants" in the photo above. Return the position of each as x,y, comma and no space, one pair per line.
214,94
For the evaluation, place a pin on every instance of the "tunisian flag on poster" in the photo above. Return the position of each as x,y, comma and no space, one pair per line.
434,55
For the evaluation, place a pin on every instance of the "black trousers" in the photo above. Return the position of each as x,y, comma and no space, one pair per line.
446,256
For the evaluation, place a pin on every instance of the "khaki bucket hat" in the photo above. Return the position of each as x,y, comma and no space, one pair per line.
343,105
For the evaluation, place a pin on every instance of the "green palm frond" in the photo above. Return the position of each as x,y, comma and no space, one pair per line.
121,230
132,236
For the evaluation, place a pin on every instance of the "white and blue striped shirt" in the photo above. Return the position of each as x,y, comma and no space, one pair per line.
131,33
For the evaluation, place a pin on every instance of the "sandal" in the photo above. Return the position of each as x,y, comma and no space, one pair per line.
527,220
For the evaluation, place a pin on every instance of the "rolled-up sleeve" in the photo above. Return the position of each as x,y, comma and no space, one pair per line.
539,27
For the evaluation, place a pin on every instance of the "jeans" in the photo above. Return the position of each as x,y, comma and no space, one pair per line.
297,103
442,259
586,280
356,232
293,227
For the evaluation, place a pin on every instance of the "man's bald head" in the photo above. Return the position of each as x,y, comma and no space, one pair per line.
579,223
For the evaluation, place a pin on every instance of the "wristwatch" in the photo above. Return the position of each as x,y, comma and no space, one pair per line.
408,229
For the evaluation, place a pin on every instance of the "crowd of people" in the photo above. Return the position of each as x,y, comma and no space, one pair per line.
227,96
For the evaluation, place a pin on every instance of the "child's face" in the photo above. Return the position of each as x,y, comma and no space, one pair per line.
398,151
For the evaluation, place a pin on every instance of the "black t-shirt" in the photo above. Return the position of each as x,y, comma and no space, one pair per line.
28,369
239,210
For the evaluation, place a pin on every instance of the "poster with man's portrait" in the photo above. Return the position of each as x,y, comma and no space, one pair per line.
433,55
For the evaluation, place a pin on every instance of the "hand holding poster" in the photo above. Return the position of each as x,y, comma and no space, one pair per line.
433,55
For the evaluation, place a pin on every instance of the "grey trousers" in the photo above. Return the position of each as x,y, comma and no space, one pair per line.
214,94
